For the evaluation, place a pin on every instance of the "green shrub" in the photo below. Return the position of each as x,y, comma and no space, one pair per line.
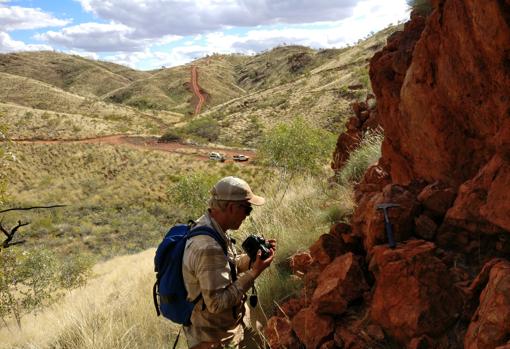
170,136
206,128
73,272
298,147
422,7
191,192
32,279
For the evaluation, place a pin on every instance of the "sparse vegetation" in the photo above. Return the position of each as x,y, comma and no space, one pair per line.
366,154
3,164
30,280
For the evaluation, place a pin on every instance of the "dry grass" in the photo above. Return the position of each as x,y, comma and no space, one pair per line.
295,216
114,310
89,119
117,196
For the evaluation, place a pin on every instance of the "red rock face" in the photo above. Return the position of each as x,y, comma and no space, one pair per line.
312,329
368,220
454,99
443,99
340,283
364,119
279,333
482,203
490,326
414,293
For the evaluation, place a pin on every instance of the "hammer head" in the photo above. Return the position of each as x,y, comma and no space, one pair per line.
385,206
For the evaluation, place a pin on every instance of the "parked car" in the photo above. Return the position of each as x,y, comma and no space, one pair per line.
240,157
216,156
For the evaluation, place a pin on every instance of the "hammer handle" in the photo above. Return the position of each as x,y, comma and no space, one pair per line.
389,232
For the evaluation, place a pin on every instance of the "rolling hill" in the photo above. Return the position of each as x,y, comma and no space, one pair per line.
52,95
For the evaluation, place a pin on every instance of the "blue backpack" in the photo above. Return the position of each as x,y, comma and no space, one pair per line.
169,286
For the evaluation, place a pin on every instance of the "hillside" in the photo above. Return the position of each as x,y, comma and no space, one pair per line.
34,109
169,89
297,81
71,73
52,95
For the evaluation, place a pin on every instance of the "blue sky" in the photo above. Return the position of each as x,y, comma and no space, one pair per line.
148,34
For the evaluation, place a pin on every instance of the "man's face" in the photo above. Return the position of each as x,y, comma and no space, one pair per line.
238,213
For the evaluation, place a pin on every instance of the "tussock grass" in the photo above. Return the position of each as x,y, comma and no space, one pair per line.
115,310
117,197
296,221
367,153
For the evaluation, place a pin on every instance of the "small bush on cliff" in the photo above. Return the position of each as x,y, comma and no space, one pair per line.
422,7
366,154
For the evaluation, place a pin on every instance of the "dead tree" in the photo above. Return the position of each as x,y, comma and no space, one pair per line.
10,234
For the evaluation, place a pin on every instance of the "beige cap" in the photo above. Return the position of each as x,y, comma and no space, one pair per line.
235,189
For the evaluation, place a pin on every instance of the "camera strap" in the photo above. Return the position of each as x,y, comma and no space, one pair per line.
253,297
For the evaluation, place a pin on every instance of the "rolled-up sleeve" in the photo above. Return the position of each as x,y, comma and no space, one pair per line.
243,262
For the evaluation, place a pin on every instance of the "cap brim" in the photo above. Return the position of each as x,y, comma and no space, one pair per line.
257,200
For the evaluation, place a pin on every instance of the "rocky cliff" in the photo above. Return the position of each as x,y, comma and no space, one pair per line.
442,88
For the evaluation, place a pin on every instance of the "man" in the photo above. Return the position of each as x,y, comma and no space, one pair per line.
220,282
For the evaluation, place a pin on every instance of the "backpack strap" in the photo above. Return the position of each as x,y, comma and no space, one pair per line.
205,230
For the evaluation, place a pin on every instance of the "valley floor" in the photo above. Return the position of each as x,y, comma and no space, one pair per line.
151,143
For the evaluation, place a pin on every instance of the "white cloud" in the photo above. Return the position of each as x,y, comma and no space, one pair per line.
15,17
129,59
95,37
154,18
168,39
137,28
7,44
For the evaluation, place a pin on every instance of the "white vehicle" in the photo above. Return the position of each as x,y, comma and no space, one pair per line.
240,157
216,156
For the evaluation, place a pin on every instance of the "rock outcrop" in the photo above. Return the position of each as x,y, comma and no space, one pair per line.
442,87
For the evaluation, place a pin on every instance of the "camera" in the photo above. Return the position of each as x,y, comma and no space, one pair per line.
253,244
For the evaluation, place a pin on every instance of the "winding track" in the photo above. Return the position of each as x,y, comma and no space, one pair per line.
196,90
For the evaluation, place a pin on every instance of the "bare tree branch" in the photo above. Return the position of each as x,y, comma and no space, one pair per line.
10,235
30,208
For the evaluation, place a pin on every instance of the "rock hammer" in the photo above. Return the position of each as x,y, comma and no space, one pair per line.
387,224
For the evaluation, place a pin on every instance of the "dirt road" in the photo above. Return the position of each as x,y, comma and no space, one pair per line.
196,90
150,143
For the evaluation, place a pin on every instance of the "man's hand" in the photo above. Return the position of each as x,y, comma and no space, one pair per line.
260,264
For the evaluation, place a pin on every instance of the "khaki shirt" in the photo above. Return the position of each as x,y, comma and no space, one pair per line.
206,271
